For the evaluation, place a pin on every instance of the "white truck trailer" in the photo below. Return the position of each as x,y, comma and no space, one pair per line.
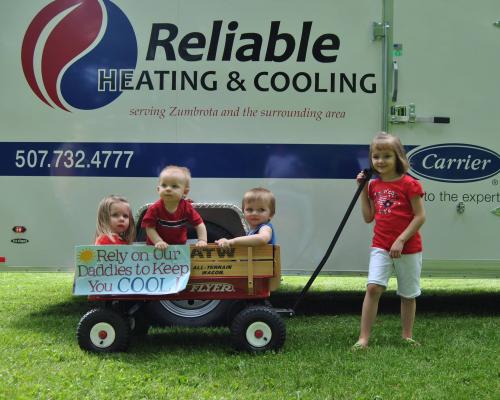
98,95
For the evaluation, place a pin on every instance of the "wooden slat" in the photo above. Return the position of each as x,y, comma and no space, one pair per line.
213,252
250,270
275,281
240,261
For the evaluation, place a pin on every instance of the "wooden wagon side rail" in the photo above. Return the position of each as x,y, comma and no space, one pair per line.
237,262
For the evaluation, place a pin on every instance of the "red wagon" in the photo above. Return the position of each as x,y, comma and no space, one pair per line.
245,276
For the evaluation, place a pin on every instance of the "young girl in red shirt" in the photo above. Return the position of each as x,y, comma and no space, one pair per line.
395,201
115,222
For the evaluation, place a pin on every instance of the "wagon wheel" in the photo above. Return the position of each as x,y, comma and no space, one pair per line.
103,330
139,323
257,329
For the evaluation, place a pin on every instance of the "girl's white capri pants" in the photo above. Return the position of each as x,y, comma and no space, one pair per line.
408,268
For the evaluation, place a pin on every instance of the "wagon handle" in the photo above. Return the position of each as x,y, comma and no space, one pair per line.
367,175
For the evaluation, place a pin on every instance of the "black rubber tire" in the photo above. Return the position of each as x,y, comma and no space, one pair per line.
194,313
108,322
257,329
214,232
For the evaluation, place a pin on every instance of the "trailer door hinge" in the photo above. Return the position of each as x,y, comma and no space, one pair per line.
402,114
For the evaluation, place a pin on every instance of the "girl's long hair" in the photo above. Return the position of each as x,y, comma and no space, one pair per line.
385,140
104,216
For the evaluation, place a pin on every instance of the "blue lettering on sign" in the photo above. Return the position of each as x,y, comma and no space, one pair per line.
454,162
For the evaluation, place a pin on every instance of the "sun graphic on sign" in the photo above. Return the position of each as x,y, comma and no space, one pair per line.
86,256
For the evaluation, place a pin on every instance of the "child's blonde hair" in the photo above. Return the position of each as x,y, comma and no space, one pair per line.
184,170
384,141
260,193
104,216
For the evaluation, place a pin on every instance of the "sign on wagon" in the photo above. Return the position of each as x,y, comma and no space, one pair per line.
131,270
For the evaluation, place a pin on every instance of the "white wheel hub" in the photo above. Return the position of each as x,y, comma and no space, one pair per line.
259,334
102,335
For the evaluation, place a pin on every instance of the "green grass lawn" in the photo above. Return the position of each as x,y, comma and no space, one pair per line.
457,325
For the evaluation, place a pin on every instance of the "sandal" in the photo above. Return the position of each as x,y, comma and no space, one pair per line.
358,346
410,342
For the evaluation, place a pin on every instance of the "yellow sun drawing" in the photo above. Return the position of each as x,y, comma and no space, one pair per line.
86,255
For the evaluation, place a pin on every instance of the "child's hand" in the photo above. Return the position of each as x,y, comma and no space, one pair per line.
223,242
161,245
397,248
360,178
201,243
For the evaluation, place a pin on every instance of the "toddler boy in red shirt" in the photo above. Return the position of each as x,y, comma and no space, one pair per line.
166,220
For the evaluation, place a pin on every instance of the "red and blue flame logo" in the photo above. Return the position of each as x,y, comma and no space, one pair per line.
65,46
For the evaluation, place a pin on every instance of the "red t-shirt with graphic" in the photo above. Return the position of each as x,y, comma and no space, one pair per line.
172,227
393,212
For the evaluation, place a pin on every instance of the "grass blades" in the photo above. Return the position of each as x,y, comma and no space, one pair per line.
40,358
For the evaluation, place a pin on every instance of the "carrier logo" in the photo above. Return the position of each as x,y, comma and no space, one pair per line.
454,162
68,44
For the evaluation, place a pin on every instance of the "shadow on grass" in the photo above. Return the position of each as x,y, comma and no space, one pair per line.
182,339
55,322
58,321
350,303
71,306
52,315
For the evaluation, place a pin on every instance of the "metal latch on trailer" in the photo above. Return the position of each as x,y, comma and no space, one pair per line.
402,114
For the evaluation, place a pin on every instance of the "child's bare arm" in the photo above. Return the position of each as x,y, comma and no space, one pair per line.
159,243
201,233
261,238
417,205
367,207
